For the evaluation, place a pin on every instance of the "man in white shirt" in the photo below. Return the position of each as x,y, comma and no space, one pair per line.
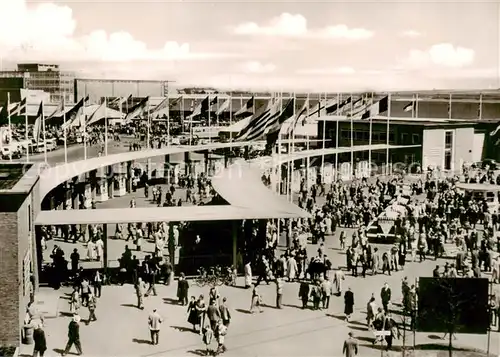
154,322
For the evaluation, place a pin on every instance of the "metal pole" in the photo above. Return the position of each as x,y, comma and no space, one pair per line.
65,134
84,134
168,116
388,133
370,134
44,136
352,142
26,133
105,126
339,98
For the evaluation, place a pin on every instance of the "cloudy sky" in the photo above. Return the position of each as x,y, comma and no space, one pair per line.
293,45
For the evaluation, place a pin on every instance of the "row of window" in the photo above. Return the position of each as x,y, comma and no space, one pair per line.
363,135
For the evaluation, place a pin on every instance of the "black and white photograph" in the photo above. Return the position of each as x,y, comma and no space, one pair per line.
249,178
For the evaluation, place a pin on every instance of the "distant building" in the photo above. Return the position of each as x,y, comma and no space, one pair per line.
36,76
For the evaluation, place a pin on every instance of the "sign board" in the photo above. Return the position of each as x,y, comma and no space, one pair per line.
385,226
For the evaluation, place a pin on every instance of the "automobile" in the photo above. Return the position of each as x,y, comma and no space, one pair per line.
8,152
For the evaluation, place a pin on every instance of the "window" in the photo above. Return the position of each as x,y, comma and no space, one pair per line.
415,139
448,140
404,138
391,138
383,137
447,160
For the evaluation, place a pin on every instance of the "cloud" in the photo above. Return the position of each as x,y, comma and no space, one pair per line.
295,25
410,34
444,55
327,71
47,32
258,67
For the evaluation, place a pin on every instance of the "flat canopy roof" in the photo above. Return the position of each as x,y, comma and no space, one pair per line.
479,187
161,214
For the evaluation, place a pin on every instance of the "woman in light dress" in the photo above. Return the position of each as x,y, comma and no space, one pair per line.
248,275
99,248
91,250
138,238
291,268
256,300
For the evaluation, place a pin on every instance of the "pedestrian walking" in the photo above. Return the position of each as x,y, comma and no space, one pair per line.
279,292
74,335
304,290
213,314
207,336
256,300
39,340
225,314
350,348
220,333
348,304
182,290
139,291
97,284
91,305
154,322
385,296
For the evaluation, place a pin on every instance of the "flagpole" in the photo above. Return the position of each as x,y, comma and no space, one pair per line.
209,119
370,133
168,118
352,141
339,98
230,118
148,145
10,126
323,141
65,133
388,127
27,136
292,148
480,113
416,105
105,126
84,134
449,107
44,136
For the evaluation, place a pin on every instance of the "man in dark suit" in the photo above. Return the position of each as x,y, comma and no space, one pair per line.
225,313
213,314
350,348
385,296
74,336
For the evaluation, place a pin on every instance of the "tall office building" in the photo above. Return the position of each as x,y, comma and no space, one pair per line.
35,76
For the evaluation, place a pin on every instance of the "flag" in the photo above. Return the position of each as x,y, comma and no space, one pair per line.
38,121
213,102
138,109
377,108
257,125
410,107
98,114
494,132
273,128
247,108
201,108
73,116
18,108
302,114
224,106
164,104
58,112
175,101
360,107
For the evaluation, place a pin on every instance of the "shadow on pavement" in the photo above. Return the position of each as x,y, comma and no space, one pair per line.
338,317
129,305
358,328
183,329
141,341
199,352
171,301
66,314
244,311
295,306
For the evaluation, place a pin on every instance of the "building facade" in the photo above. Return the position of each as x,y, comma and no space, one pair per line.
45,77
434,143
20,204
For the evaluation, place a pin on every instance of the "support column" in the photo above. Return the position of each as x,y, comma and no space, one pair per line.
67,193
75,200
129,176
149,169
187,163
235,246
206,160
105,246
111,182
226,158
167,172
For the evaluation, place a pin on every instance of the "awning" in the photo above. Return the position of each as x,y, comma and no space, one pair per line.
159,214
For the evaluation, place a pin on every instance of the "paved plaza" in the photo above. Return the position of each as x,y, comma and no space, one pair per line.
122,330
